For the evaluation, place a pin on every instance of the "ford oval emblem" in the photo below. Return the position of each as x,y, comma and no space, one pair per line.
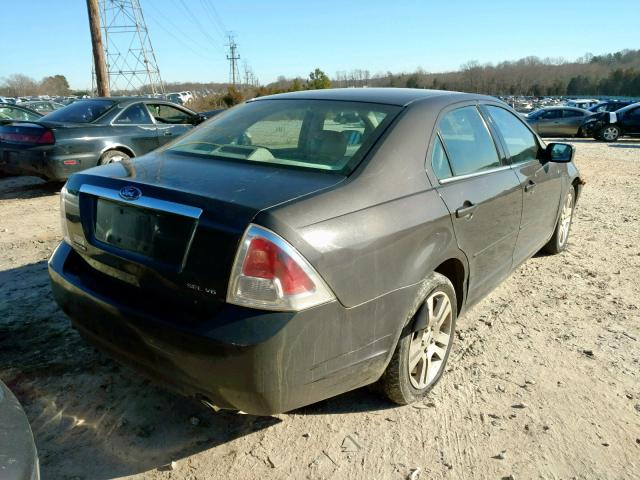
130,193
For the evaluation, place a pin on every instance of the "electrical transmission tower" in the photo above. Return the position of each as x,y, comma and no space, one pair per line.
233,57
131,61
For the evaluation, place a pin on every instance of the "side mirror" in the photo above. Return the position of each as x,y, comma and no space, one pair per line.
198,119
560,152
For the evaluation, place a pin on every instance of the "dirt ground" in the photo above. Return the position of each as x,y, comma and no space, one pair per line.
543,381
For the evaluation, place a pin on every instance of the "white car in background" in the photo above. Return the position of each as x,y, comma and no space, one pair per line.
583,103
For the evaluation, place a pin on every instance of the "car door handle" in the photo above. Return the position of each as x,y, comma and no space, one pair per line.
167,133
530,186
465,210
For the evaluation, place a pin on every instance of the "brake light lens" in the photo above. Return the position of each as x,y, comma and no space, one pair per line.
268,273
44,138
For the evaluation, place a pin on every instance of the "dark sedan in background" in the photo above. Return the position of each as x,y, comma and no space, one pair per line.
558,121
609,106
609,126
307,244
90,132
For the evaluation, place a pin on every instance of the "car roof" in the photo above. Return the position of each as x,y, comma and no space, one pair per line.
389,96
628,107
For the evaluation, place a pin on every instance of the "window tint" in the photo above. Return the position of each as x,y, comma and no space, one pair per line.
83,111
467,139
550,114
521,143
167,114
311,134
566,113
439,161
634,113
135,115
10,113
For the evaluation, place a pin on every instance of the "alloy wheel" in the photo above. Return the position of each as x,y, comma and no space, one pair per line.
610,133
429,346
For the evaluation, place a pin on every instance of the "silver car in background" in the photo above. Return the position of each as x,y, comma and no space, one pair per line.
557,121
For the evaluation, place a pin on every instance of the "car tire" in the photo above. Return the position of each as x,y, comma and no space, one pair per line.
113,156
403,384
560,237
609,133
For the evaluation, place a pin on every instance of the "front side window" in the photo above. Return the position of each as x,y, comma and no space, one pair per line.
551,114
521,143
168,114
313,134
135,115
468,141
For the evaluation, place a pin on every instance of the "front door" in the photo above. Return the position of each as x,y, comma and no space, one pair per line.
540,182
482,195
135,129
631,121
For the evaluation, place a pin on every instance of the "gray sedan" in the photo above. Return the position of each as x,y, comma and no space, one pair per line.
90,132
302,245
557,121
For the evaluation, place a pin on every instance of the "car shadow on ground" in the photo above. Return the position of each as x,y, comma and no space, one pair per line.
27,187
83,405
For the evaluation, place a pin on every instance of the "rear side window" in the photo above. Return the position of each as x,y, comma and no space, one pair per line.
135,115
439,161
566,113
468,141
521,143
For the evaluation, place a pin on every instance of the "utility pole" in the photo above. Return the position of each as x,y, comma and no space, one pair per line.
233,58
100,65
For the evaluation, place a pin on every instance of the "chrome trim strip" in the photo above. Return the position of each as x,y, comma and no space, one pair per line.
475,174
144,202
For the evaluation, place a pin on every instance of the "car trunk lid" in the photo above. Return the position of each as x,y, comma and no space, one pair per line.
170,224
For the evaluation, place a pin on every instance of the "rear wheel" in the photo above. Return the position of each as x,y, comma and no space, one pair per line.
560,236
113,156
421,355
610,133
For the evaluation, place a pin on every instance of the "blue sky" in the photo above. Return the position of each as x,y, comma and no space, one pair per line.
293,37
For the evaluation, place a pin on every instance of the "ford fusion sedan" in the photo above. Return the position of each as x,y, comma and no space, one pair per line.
303,245
610,126
90,132
557,121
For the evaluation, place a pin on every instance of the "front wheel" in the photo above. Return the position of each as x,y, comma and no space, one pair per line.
610,133
421,355
558,241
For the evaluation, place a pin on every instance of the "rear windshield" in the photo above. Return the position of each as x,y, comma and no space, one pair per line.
315,134
83,111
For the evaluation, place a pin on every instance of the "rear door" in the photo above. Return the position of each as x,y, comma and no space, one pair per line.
550,122
571,121
171,120
540,181
135,129
482,194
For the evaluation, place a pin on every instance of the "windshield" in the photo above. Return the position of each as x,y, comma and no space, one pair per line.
83,111
315,134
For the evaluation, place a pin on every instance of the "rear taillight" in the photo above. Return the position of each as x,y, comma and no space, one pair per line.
44,138
270,274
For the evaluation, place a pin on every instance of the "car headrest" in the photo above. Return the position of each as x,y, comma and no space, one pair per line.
331,145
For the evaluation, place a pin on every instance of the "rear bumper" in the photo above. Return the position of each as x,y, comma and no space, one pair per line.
42,162
251,360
